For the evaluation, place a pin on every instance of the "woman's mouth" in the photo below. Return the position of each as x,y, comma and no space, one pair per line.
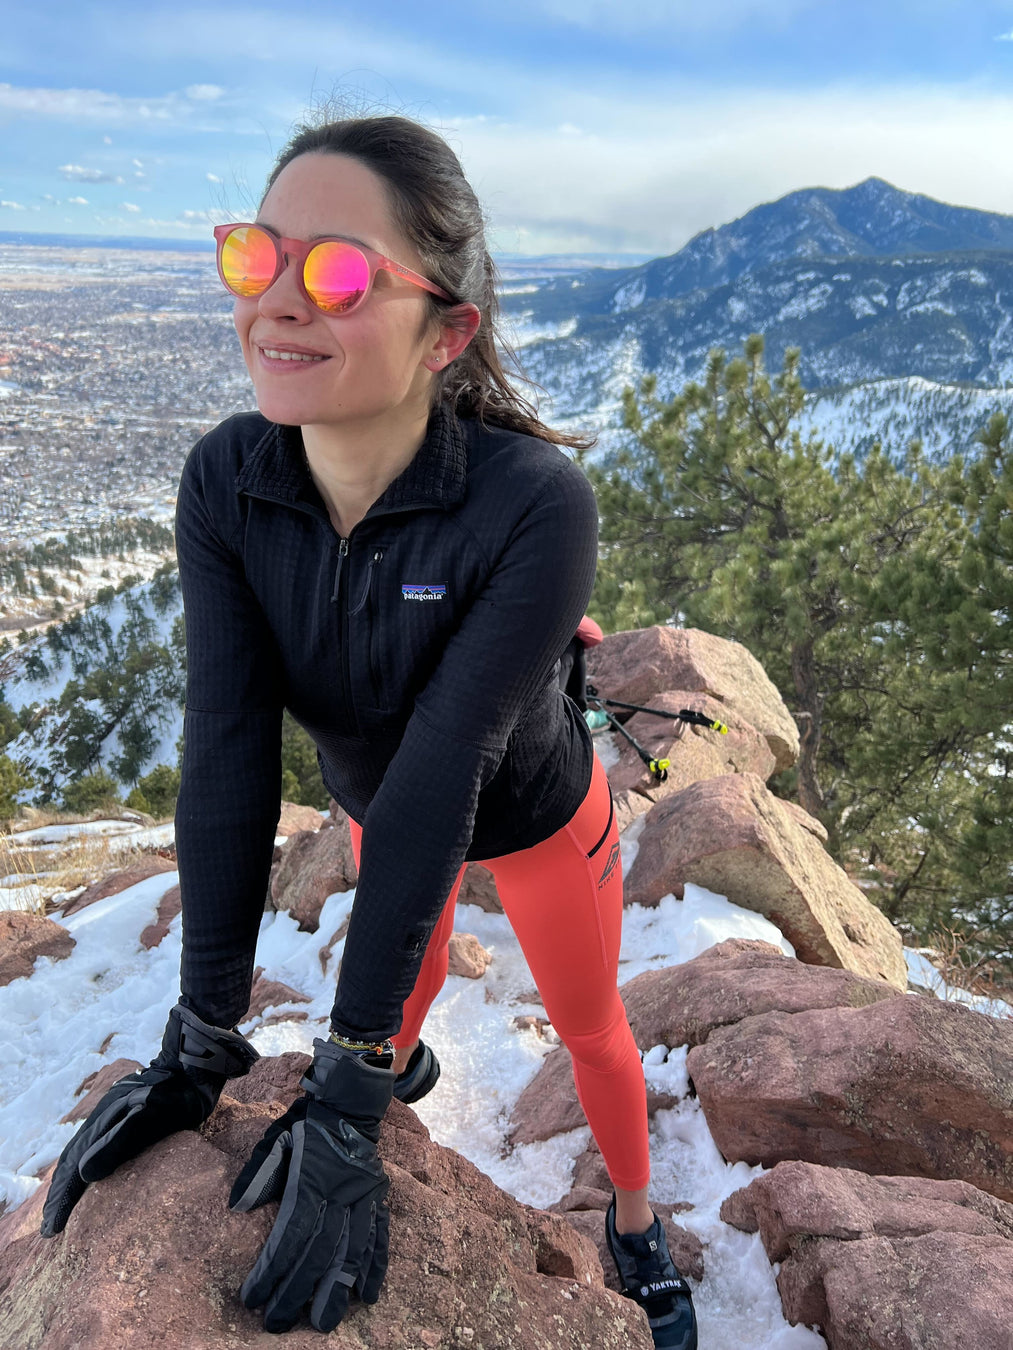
282,354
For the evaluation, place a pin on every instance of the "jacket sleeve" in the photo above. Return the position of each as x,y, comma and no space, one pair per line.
419,824
230,793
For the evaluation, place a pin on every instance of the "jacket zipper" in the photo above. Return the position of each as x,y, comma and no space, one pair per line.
346,679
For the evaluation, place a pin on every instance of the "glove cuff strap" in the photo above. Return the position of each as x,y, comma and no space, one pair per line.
199,1045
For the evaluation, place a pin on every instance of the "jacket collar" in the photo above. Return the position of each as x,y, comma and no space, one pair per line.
436,477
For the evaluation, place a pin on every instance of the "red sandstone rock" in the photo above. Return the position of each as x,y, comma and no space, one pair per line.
152,1256
467,956
479,888
119,881
313,866
881,1261
693,752
269,994
629,804
168,907
733,837
96,1085
294,818
738,978
23,938
907,1086
635,666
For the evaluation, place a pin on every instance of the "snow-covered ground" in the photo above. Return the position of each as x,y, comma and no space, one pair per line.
109,1000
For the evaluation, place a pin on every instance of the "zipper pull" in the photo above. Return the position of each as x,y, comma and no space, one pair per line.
342,555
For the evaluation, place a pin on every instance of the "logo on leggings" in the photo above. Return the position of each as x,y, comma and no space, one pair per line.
610,866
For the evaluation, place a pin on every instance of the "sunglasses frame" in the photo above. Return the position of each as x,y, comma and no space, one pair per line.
298,250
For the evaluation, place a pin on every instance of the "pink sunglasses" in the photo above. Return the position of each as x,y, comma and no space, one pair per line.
334,274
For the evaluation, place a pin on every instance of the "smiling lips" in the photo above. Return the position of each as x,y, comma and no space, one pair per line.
290,354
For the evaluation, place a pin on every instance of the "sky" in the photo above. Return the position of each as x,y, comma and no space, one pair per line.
585,127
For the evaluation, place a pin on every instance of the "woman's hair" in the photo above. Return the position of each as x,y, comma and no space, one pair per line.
436,209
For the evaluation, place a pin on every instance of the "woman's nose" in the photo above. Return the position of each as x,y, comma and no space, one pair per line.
284,299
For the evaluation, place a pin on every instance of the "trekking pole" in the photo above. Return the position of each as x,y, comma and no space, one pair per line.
658,767
696,719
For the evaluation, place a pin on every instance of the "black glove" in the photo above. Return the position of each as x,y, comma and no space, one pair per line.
320,1159
177,1091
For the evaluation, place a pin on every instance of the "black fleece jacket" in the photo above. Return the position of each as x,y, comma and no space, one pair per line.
420,655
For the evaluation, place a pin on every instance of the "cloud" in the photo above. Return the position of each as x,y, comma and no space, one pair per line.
1004,37
648,173
213,178
128,206
77,174
173,110
11,206
77,201
204,93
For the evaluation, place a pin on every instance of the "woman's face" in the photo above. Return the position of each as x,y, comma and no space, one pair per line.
373,365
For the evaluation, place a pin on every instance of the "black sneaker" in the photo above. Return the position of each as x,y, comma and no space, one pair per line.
419,1076
649,1277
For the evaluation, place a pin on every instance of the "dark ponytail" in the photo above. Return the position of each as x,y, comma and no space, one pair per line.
436,209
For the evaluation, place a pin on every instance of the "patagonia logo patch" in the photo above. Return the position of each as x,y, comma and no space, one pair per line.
429,592
610,866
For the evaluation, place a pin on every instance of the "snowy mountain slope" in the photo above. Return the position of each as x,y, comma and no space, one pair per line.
107,686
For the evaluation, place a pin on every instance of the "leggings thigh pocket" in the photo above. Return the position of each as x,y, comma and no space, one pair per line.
608,827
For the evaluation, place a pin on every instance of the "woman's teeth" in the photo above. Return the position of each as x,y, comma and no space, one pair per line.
290,356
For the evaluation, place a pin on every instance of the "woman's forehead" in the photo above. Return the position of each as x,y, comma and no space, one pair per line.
321,193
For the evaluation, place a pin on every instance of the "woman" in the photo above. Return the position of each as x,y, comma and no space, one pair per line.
394,549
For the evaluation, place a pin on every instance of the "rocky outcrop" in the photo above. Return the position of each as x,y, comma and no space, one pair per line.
732,836
694,753
23,938
882,1262
312,867
681,1005
905,1086
152,1256
636,666
295,817
119,881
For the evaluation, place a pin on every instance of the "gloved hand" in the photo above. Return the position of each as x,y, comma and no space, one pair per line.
177,1091
320,1159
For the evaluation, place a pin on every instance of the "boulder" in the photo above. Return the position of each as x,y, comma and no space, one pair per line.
23,938
549,1105
741,977
694,753
635,666
466,956
295,817
168,907
152,1256
478,887
629,805
312,867
907,1086
880,1261
266,994
734,837
119,881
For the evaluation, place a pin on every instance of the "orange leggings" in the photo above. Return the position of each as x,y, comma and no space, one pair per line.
566,909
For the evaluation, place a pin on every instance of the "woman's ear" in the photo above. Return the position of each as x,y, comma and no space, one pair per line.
457,327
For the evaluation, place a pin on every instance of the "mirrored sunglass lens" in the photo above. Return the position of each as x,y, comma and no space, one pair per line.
335,276
249,260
